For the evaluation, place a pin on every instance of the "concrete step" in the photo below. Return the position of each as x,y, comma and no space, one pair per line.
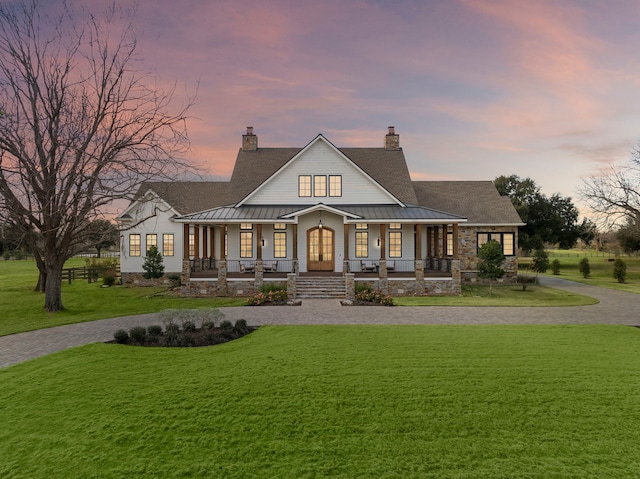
320,287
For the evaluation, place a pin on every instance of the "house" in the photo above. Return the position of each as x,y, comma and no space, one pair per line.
293,213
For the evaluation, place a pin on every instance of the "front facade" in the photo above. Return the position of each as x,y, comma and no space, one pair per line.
320,210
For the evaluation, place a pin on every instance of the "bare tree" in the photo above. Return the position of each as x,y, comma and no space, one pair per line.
80,127
615,195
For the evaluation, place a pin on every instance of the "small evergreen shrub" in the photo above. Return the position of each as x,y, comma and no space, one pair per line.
153,264
584,267
525,280
138,333
174,280
188,326
226,329
555,266
121,336
208,324
620,270
154,330
241,327
362,288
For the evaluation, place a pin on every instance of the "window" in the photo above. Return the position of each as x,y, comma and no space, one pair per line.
395,226
304,185
167,244
279,245
192,244
320,185
335,185
246,244
361,226
152,240
246,226
134,245
449,244
507,240
395,244
280,226
362,244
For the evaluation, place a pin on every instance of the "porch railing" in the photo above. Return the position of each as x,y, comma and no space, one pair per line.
438,264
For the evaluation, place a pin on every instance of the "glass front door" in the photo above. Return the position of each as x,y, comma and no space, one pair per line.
320,249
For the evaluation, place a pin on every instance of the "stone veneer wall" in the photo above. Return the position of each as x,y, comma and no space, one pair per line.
467,252
137,279
211,287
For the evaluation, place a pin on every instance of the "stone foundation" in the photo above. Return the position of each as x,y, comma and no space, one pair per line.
136,279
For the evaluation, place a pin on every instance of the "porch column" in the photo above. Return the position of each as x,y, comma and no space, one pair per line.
259,244
212,239
295,248
455,241
205,242
383,241
345,267
196,240
436,241
185,242
223,229
418,242
429,242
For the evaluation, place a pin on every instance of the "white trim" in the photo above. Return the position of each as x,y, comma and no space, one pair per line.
141,200
301,152
323,207
495,224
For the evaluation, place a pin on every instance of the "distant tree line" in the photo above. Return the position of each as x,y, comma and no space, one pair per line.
549,220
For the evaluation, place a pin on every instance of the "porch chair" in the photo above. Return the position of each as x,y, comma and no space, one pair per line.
270,266
391,265
368,266
247,266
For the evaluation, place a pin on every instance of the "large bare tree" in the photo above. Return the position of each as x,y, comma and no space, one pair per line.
615,194
81,125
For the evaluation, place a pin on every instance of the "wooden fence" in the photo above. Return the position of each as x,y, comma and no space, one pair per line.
90,274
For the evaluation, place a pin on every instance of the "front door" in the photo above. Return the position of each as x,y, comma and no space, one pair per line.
320,249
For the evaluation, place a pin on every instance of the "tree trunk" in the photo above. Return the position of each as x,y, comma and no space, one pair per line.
98,249
53,289
42,281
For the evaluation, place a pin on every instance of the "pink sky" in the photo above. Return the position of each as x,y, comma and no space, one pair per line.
475,88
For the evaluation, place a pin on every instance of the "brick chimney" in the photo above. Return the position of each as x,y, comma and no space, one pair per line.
392,140
249,141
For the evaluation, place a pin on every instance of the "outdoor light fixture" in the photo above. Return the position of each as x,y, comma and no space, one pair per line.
262,241
378,241
320,221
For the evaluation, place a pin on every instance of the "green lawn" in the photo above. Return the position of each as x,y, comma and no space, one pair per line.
511,295
601,269
334,401
22,309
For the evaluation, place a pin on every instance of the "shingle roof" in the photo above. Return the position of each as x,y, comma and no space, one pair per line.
189,196
478,201
388,168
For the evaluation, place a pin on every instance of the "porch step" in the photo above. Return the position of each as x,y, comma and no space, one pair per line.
319,287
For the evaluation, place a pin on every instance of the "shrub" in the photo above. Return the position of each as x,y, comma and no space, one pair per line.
188,326
226,329
555,266
175,280
241,327
154,330
271,287
362,287
275,296
208,324
584,267
138,333
620,270
109,277
525,280
369,296
540,262
121,336
153,264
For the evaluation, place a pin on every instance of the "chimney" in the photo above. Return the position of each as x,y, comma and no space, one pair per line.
391,140
249,141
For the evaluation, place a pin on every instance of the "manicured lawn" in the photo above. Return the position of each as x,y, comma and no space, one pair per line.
334,401
601,269
22,309
501,296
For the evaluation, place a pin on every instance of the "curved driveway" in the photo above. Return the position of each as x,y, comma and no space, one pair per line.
615,307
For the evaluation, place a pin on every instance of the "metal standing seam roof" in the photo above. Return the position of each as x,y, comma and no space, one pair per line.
365,213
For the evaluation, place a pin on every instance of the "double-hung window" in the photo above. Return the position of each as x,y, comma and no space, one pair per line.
395,240
134,245
319,185
362,240
152,240
304,185
167,244
335,185
246,240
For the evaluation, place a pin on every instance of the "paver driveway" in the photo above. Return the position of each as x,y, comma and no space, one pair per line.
615,307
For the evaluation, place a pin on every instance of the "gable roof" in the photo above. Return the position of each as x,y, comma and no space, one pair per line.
387,167
188,196
478,201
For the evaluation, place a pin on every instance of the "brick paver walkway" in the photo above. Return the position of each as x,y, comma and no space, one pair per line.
615,307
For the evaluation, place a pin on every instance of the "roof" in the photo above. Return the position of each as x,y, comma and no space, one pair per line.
478,201
358,213
188,196
387,167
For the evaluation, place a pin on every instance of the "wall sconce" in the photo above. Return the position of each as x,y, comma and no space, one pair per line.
378,242
263,242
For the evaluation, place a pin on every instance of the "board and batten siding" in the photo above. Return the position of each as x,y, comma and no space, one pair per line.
320,159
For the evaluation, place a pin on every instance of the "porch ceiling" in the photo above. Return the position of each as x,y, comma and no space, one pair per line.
287,213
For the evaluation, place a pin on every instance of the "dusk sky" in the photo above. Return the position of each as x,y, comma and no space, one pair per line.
475,88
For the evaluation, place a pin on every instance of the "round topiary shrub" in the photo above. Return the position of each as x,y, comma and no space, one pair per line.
154,330
241,327
138,333
121,336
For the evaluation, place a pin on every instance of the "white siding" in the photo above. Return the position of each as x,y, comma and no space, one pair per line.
160,224
320,159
